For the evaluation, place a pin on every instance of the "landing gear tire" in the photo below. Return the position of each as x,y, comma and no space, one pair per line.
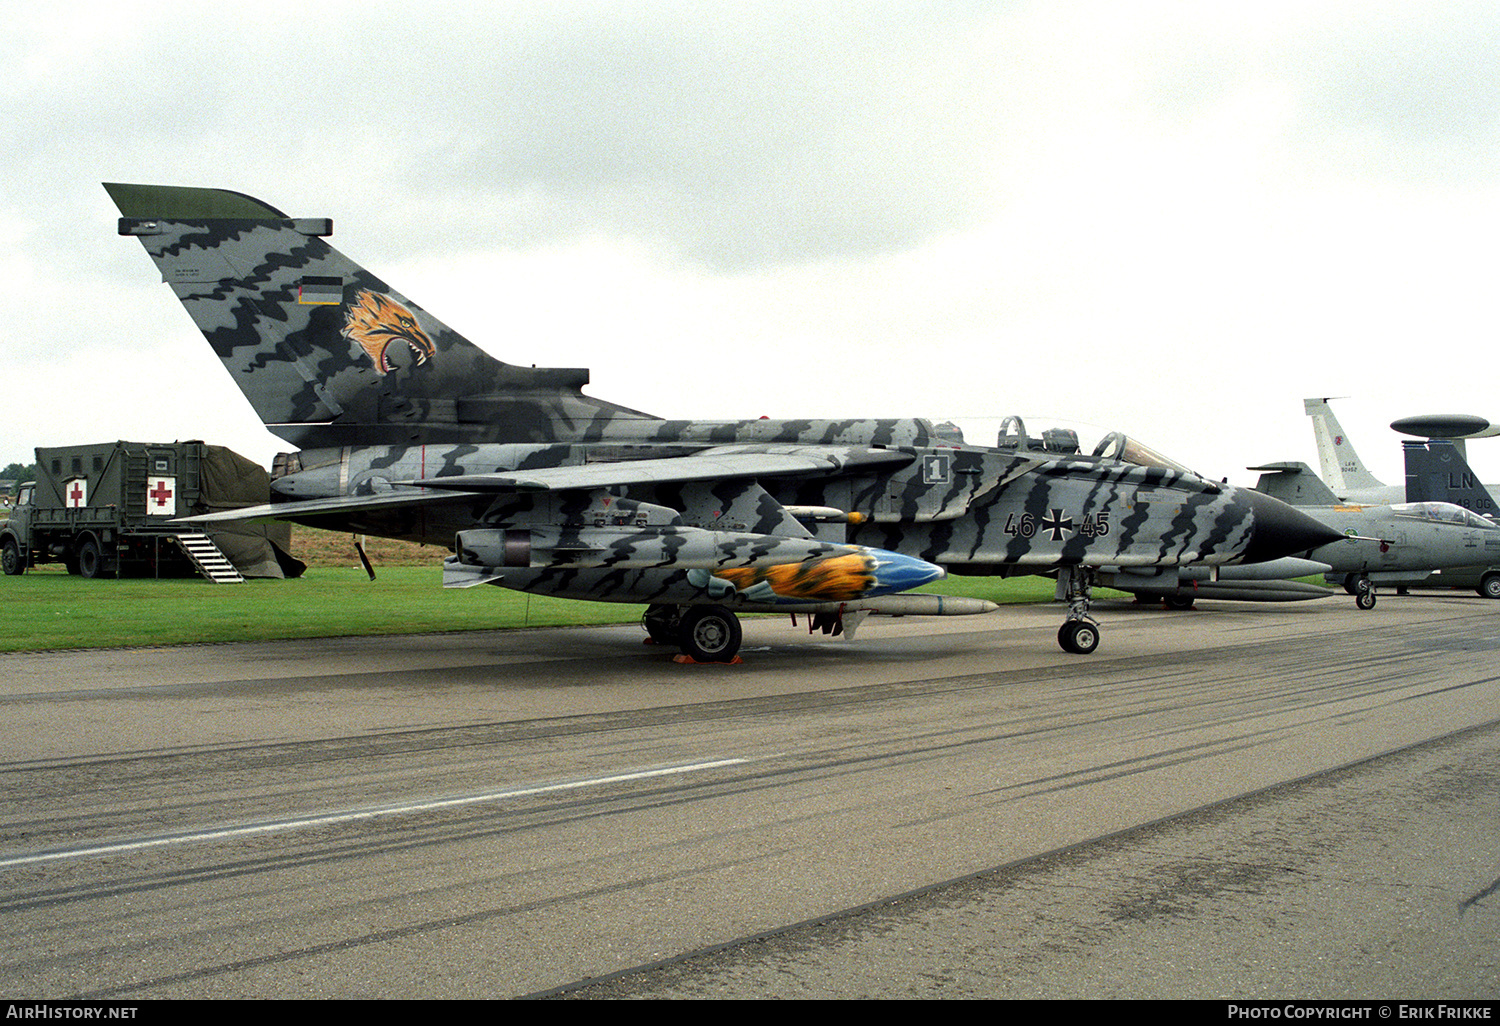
709,634
1078,636
662,623
91,561
1489,586
1178,602
10,558
1365,599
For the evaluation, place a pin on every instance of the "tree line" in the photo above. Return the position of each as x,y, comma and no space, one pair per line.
19,472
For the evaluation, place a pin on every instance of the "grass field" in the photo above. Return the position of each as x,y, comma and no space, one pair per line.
46,608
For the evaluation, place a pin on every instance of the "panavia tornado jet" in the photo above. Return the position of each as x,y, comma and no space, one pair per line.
408,430
1399,546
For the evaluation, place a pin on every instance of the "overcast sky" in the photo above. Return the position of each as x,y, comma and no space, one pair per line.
1174,218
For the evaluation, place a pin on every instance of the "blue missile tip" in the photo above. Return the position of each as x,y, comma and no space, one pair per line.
895,572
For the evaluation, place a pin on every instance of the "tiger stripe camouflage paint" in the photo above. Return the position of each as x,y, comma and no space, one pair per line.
1066,512
410,430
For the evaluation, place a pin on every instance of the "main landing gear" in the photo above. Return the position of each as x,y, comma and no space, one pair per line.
1079,633
707,634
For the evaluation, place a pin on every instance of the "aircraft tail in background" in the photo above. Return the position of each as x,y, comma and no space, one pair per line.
1436,471
1343,471
1294,484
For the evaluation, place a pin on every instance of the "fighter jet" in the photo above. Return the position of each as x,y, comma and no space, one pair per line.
1399,546
409,430
1402,545
1437,471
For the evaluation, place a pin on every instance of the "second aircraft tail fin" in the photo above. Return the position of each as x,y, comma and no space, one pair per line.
1436,471
1342,469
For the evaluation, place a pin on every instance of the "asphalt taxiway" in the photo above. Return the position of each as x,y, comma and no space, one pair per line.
500,814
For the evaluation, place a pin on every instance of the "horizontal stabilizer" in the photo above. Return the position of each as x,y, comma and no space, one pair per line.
1295,484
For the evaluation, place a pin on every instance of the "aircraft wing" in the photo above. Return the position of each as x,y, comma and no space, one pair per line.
709,465
335,504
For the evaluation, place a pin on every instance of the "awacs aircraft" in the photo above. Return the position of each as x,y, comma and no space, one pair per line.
1344,472
408,430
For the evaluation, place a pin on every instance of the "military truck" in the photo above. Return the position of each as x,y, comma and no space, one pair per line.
111,509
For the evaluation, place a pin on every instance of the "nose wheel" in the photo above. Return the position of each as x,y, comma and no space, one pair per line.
1078,636
1079,633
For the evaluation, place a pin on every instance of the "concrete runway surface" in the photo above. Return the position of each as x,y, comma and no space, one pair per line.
1241,801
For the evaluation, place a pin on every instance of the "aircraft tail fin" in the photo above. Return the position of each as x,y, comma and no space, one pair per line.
327,353
1342,469
1436,471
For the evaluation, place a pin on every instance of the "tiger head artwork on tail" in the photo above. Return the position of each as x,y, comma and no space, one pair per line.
377,321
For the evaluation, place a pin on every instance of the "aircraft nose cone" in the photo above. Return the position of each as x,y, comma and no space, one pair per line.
1280,530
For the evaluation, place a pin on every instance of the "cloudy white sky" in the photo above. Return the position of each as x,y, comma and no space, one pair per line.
1174,218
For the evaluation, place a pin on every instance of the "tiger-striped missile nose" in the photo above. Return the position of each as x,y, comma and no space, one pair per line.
894,572
1280,530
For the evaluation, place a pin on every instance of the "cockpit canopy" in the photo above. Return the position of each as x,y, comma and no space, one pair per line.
1444,513
1065,440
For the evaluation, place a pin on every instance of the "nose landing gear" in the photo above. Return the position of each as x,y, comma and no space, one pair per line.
1079,633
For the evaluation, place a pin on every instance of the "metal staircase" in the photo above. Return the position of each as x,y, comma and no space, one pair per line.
211,563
